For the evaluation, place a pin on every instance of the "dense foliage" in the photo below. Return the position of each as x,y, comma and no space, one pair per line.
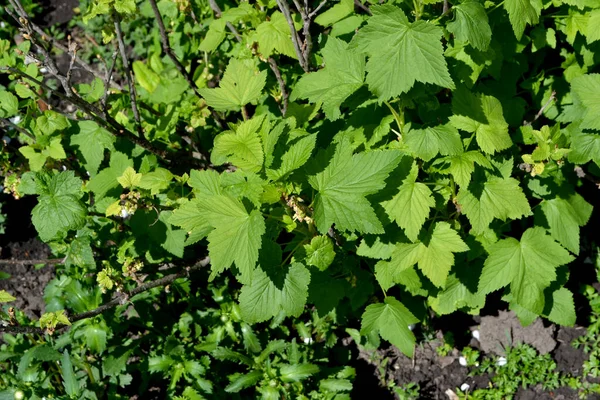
343,166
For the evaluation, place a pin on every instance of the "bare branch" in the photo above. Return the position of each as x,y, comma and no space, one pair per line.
107,80
285,10
6,121
363,7
284,94
117,300
316,10
539,113
128,75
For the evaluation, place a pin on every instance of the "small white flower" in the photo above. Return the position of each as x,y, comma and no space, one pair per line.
2,25
308,340
475,334
464,387
64,167
462,361
15,120
124,213
88,173
43,70
501,361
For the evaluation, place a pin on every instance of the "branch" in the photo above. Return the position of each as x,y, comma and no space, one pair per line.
285,10
107,80
284,93
363,7
48,261
217,10
128,75
117,300
6,121
539,113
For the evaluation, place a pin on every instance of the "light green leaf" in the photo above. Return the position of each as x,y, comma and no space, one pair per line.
401,53
391,319
521,13
482,115
297,372
147,78
563,308
343,74
427,143
5,297
9,104
106,179
214,36
319,252
129,178
343,185
59,208
241,147
263,299
36,160
125,6
586,93
92,140
411,205
462,166
564,217
500,198
189,217
274,36
237,236
51,122
244,381
296,156
240,85
156,181
528,266
336,13
69,380
456,296
471,24
435,258
593,33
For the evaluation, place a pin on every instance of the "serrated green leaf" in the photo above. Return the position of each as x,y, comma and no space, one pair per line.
335,385
336,13
427,143
274,36
106,179
471,24
528,266
51,122
36,160
262,299
343,74
482,115
592,33
244,381
297,372
456,296
343,185
240,85
462,166
237,236
521,13
297,155
214,36
434,258
5,297
564,217
242,147
586,93
411,205
156,181
189,217
319,252
129,179
125,6
391,319
147,78
59,208
9,104
401,53
563,308
91,141
69,380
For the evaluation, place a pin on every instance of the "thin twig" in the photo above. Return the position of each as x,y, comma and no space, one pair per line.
117,300
285,10
541,111
445,7
6,121
363,7
47,261
73,53
128,75
284,94
217,10
107,80
316,10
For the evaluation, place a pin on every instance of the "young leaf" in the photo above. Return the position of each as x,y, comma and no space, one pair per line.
240,85
563,308
482,115
586,92
528,266
401,53
262,299
5,297
274,36
237,236
297,372
69,380
147,78
244,381
462,166
522,12
456,295
130,178
410,206
189,217
9,104
564,217
319,252
471,24
59,208
242,147
427,143
343,185
343,74
297,155
391,319
92,140
336,13
500,198
106,179
434,258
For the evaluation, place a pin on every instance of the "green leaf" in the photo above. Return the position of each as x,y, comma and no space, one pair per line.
263,299
129,179
297,372
36,160
240,85
274,36
528,266
411,205
401,53
434,258
156,181
125,6
51,122
427,143
471,24
9,104
462,166
592,33
319,252
147,78
242,147
214,36
343,185
296,156
500,198
69,380
563,308
564,217
95,337
336,13
189,217
343,74
586,93
237,236
482,115
391,319
106,179
521,13
92,140
5,297
244,381
59,208
455,296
